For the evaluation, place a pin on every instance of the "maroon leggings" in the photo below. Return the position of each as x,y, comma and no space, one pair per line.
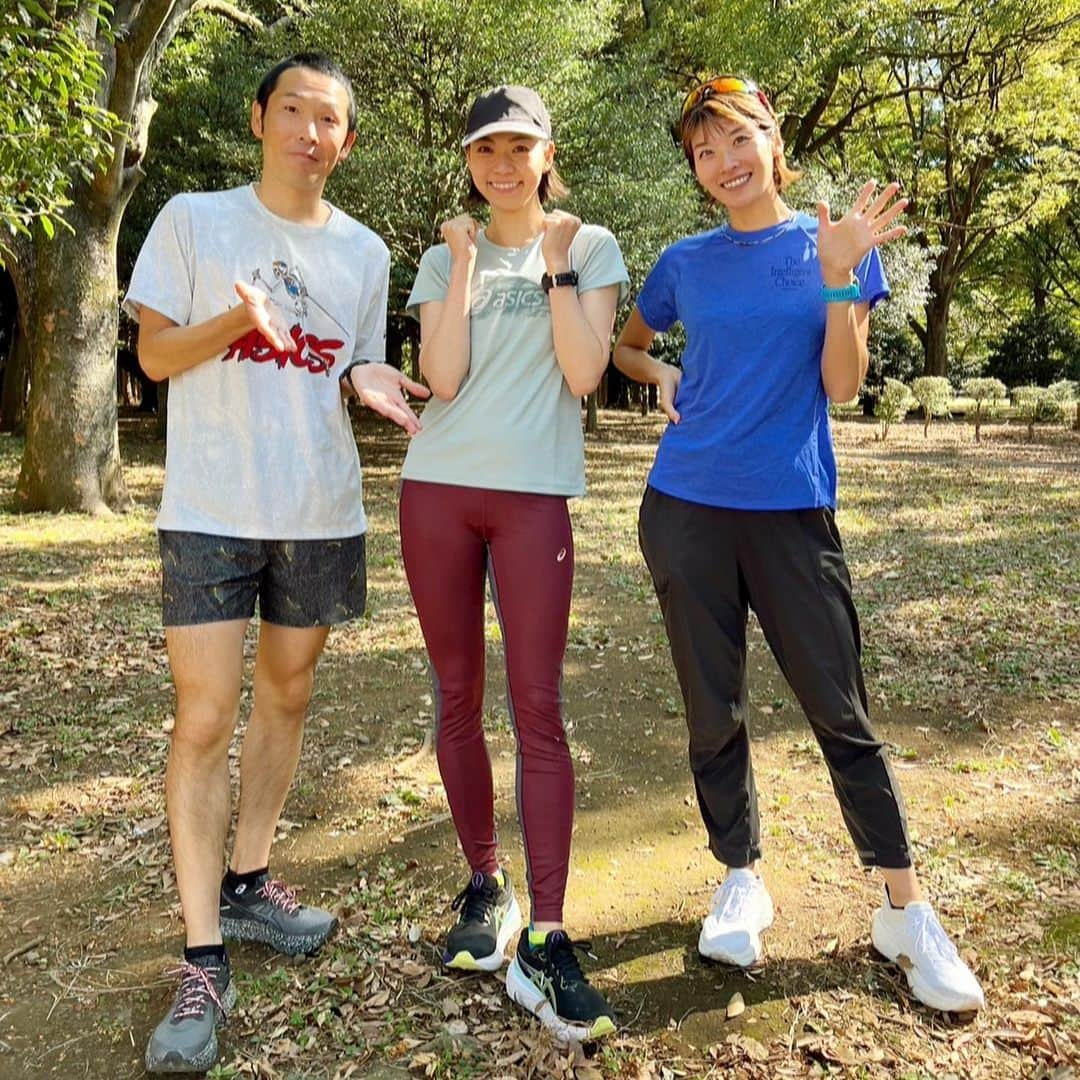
451,538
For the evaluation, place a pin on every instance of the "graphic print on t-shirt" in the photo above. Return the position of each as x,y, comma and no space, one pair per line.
287,290
496,292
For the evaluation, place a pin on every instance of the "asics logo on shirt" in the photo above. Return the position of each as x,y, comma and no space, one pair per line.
520,299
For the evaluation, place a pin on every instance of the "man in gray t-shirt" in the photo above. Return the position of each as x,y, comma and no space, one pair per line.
262,501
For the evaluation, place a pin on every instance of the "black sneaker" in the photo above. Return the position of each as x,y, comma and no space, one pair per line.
548,981
268,911
489,919
186,1040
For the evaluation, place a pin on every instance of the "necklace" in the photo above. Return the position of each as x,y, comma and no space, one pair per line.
776,230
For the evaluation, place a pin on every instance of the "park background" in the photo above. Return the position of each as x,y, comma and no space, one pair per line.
962,538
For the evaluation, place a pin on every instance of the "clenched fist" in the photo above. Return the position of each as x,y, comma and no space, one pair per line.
460,236
560,229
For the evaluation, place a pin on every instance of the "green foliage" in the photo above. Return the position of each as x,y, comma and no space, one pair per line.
51,128
1033,405
893,404
1040,348
200,139
985,392
1063,392
416,65
988,394
629,177
973,107
932,392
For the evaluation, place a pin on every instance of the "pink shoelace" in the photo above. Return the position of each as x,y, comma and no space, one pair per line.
280,895
196,986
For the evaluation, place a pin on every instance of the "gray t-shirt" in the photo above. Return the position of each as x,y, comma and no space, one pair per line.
259,442
514,425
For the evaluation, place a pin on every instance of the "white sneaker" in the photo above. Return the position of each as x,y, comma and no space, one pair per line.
741,909
912,937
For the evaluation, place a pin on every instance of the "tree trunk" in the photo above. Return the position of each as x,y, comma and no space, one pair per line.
937,326
161,426
72,456
592,415
16,377
978,422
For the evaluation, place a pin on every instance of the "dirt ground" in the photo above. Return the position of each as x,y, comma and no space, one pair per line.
966,563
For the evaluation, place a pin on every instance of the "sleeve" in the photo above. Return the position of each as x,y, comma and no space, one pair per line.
656,300
873,283
370,347
164,274
432,279
599,262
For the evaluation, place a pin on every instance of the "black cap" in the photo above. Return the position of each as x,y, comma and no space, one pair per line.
515,109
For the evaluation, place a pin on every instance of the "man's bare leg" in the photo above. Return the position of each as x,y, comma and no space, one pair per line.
207,664
284,676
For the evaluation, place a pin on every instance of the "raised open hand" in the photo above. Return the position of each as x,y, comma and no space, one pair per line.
268,318
843,244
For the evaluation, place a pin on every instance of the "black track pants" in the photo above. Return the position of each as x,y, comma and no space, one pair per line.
709,566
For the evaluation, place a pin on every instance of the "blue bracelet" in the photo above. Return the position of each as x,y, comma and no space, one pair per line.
839,296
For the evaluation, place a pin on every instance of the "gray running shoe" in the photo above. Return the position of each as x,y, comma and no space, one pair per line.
186,1040
269,912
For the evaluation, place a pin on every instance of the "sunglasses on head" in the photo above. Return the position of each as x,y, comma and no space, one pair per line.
723,84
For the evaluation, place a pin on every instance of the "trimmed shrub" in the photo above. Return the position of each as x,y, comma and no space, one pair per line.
987,395
1065,393
932,392
893,404
1033,405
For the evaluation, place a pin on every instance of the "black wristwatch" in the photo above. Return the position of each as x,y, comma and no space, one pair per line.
567,277
344,376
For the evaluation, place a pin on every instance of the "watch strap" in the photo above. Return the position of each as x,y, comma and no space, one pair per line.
343,377
566,277
846,293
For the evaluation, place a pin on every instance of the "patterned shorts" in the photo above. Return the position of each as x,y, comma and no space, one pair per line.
299,583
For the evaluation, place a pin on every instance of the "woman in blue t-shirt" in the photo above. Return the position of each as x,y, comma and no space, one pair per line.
738,511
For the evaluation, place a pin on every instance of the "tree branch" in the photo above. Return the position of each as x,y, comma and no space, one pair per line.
251,23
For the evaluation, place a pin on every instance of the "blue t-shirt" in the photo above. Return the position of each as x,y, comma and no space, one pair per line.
754,430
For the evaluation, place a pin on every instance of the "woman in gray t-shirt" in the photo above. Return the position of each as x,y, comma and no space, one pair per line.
516,322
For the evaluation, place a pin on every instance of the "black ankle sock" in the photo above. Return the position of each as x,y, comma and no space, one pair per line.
233,880
206,952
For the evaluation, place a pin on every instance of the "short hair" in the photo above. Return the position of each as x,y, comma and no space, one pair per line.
313,61
737,107
552,188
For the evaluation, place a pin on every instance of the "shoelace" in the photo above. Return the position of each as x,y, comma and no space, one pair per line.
731,897
561,958
196,986
280,895
476,900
